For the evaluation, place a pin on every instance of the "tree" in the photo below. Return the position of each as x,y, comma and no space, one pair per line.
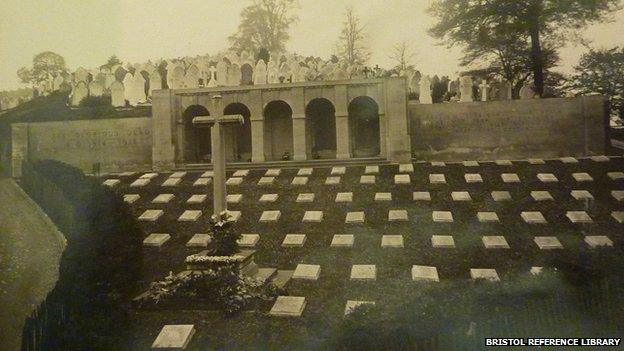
403,55
112,61
46,65
351,46
470,22
602,72
264,24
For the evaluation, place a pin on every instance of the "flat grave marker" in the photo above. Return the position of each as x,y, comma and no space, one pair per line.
495,242
202,182
510,178
541,196
351,305
397,215
248,240
579,217
241,173
299,181
294,240
484,273
266,181
499,196
568,160
618,216
199,240
190,216
312,217
598,240
392,241
470,164
533,217
131,198
383,196
149,176
234,181
207,174
344,197
270,216
503,162
536,161
473,178
196,199
615,175
156,239
487,217
581,195
305,171
273,172
269,197
371,170
547,178
338,170
618,195
179,174
141,182
601,158
402,179
342,240
442,242
363,272
332,180
307,272
437,179
172,182
438,164
461,196
548,242
406,168
163,198
355,217
233,198
582,177
305,197
151,215
111,182
442,216
288,306
174,336
421,196
425,273
367,179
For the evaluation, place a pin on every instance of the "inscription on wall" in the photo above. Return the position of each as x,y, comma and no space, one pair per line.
509,129
116,144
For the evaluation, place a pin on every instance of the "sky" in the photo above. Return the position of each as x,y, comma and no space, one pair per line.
87,32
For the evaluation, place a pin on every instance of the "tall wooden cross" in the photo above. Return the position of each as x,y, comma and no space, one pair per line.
218,151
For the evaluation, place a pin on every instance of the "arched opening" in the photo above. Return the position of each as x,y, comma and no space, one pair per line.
246,74
278,138
197,147
238,136
321,129
364,127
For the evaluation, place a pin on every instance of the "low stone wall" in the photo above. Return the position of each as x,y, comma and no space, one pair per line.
512,129
121,144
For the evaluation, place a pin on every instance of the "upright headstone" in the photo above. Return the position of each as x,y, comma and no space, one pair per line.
57,82
247,74
260,73
96,88
118,98
527,92
175,76
234,75
155,82
191,78
425,90
134,88
81,75
484,90
285,73
222,71
272,73
79,92
465,89
213,76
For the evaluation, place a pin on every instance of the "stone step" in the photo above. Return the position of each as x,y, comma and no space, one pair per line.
287,164
282,278
265,274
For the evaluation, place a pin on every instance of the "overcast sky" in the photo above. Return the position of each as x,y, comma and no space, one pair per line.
87,32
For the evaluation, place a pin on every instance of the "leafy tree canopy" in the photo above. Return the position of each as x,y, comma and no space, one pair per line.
45,65
265,24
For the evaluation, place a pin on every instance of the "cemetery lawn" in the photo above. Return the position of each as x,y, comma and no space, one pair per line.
326,297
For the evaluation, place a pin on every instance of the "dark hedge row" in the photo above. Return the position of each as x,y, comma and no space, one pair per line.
89,307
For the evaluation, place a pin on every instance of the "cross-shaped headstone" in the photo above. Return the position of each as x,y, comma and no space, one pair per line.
484,90
218,151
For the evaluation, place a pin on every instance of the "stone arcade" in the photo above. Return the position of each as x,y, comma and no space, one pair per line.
293,121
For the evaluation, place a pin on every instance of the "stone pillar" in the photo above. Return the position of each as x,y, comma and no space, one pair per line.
383,134
218,166
163,149
257,140
299,137
343,147
19,148
343,142
398,143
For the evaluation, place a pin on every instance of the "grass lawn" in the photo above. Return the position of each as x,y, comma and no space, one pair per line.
327,296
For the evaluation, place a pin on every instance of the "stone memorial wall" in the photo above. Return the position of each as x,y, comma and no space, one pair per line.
512,129
116,144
